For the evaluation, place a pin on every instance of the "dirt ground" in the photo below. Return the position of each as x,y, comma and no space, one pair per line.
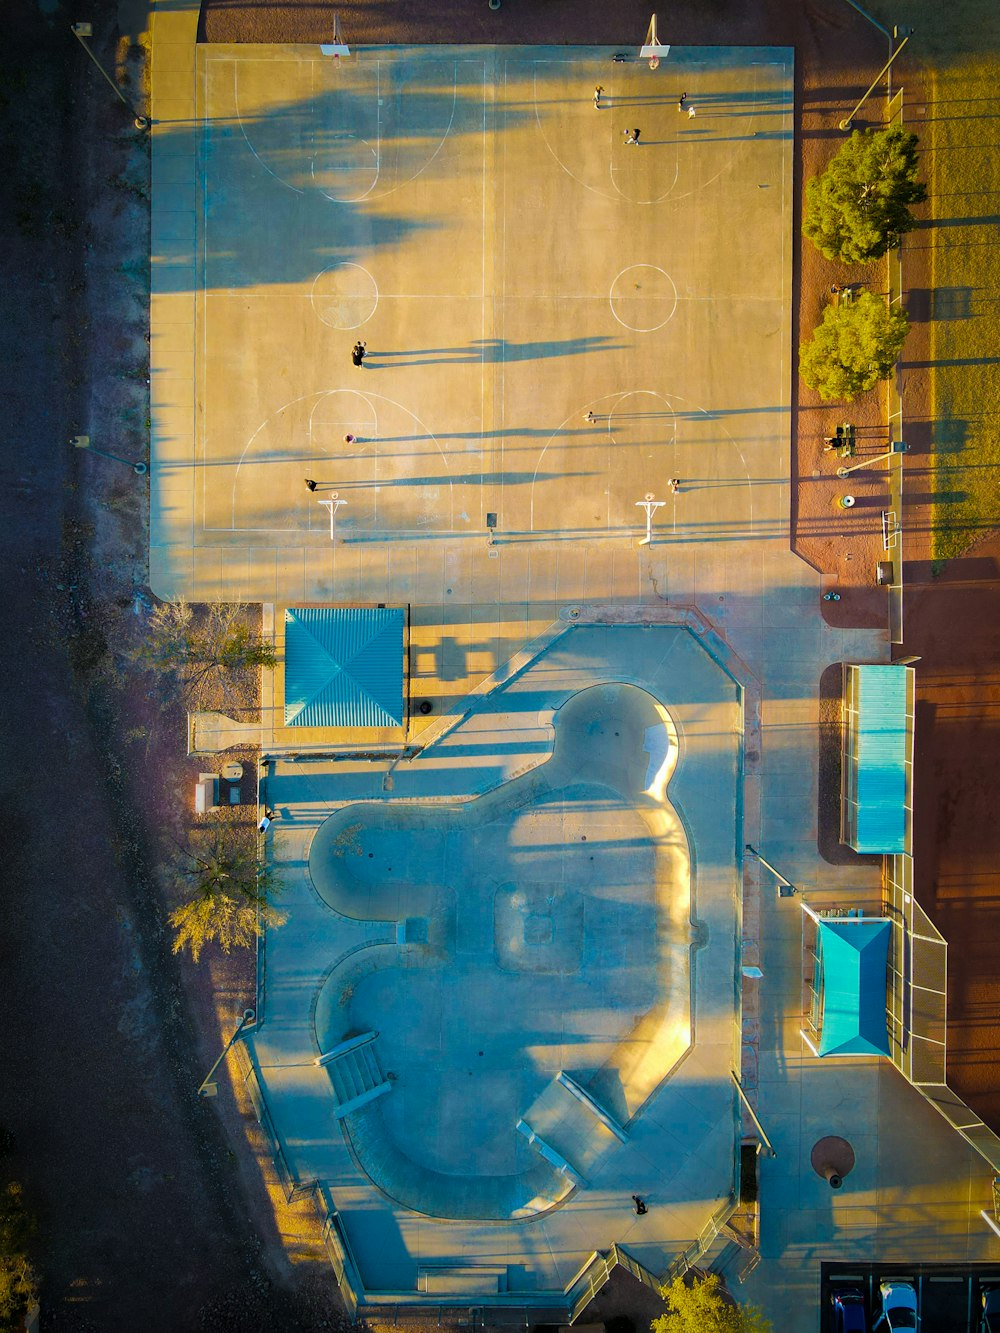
152,1205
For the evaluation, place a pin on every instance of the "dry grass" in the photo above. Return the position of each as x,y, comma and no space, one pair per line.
959,44
965,332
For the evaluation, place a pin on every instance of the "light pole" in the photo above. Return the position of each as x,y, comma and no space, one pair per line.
898,447
785,886
846,123
83,442
208,1088
81,31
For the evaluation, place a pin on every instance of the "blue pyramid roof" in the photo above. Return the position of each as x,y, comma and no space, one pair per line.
854,956
343,667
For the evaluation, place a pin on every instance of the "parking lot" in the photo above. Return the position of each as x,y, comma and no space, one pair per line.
948,1297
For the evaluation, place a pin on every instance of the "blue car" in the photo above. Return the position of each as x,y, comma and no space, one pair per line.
848,1310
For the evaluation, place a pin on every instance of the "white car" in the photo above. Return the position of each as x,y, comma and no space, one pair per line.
899,1306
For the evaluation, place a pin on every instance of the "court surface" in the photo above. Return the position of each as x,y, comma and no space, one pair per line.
512,265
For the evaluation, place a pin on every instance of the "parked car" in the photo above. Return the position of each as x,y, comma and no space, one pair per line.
849,1310
990,1320
899,1306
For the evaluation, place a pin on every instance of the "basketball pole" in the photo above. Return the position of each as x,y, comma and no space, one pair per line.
338,47
652,48
333,505
651,506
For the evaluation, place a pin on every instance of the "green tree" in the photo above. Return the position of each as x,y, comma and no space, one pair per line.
229,891
18,1283
703,1307
857,345
200,647
859,207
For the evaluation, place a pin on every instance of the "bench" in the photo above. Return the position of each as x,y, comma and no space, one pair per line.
206,793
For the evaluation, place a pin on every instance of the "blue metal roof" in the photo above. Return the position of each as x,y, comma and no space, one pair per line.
343,667
854,956
881,747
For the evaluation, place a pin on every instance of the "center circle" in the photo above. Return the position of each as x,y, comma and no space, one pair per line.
643,298
344,296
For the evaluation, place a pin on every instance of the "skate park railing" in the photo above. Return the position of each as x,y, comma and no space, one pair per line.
596,1273
917,1013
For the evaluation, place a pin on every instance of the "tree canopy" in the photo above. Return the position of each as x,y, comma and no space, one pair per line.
859,207
857,345
229,897
704,1307
18,1282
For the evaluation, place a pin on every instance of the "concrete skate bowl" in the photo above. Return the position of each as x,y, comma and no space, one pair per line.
543,939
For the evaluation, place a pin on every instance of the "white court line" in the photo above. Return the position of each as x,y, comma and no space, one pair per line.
239,120
742,122
669,400
323,394
376,151
371,430
652,328
313,298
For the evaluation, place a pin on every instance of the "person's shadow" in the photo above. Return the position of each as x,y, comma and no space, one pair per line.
491,351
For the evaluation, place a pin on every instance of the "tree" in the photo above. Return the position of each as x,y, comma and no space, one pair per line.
229,903
858,208
199,647
857,345
18,1283
703,1307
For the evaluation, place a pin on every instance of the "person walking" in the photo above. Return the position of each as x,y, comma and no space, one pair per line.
597,95
675,485
639,1205
681,100
310,484
358,353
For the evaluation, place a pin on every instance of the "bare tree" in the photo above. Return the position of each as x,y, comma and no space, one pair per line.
203,647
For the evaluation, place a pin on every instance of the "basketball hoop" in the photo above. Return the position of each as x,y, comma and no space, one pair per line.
652,49
338,47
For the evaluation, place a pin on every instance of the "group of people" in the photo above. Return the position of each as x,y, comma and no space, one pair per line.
632,136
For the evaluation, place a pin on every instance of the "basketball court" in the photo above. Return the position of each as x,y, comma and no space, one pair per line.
513,265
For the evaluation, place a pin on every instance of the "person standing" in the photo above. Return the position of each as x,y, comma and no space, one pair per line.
681,100
597,95
358,353
310,484
690,113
